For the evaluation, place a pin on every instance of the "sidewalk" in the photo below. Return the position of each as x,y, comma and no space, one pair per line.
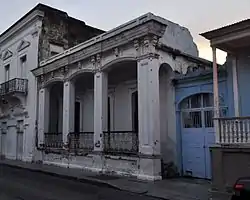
171,189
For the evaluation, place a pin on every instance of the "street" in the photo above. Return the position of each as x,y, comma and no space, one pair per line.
18,184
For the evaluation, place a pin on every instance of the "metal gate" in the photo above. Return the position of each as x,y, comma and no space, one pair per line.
197,135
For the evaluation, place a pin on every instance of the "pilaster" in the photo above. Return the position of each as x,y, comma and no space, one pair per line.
68,109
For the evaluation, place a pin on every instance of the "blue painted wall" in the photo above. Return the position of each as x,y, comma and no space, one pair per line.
190,86
243,72
204,84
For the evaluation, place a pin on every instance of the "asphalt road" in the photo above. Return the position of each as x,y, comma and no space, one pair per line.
18,184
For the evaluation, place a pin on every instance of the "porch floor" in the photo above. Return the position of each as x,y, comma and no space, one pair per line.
173,189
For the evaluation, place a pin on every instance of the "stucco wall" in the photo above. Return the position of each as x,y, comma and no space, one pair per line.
30,35
189,87
120,105
167,115
179,37
243,72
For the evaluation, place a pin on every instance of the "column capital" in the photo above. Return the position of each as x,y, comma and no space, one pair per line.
149,56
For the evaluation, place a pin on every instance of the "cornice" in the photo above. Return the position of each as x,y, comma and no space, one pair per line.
21,25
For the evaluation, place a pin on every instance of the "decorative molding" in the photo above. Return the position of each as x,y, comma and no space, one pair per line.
7,54
120,36
116,52
23,44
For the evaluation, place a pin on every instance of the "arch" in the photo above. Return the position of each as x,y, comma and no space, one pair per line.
221,98
165,67
117,61
53,81
78,73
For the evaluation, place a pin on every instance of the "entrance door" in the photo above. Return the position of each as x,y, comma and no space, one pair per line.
77,116
19,147
197,135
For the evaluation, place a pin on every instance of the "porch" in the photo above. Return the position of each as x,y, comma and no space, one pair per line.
230,155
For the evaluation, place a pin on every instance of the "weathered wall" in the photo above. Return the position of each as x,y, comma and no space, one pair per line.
179,37
61,30
190,86
226,167
167,115
28,35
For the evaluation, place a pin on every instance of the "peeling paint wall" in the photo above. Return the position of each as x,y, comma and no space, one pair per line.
63,31
179,37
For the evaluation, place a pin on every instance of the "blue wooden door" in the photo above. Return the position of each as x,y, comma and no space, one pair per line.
197,135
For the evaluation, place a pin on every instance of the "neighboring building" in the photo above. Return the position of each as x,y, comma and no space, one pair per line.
113,98
43,32
231,154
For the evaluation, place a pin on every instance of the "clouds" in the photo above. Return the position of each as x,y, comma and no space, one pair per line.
197,15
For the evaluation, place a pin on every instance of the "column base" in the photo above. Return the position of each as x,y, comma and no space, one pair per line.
150,168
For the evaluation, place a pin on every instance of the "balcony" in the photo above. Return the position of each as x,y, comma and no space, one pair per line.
16,85
234,130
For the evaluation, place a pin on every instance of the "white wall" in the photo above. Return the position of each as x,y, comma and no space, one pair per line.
120,108
167,116
88,111
29,102
179,37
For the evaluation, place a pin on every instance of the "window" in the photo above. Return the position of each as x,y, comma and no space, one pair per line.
7,73
197,111
55,49
23,66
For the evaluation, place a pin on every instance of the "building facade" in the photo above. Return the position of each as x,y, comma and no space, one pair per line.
136,100
230,156
116,100
41,33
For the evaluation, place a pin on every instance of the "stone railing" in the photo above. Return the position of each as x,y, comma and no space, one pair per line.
234,130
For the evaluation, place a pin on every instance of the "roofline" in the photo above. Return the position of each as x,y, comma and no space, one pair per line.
226,29
36,12
104,36
177,52
37,7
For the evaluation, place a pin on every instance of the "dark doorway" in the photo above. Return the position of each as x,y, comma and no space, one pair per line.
77,116
135,120
109,119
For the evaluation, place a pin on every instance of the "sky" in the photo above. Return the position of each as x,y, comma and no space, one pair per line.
197,15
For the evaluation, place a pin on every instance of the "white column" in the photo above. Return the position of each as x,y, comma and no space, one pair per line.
216,96
43,114
100,108
149,106
68,109
235,87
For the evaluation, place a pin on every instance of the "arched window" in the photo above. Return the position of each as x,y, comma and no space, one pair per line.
197,110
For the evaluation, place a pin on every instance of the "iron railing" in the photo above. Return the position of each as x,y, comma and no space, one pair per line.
14,85
81,141
234,130
122,142
53,140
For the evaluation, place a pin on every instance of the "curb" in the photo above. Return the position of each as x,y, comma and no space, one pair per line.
64,176
91,181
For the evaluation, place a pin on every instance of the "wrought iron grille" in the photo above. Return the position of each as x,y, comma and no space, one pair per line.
14,85
124,142
53,140
81,141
